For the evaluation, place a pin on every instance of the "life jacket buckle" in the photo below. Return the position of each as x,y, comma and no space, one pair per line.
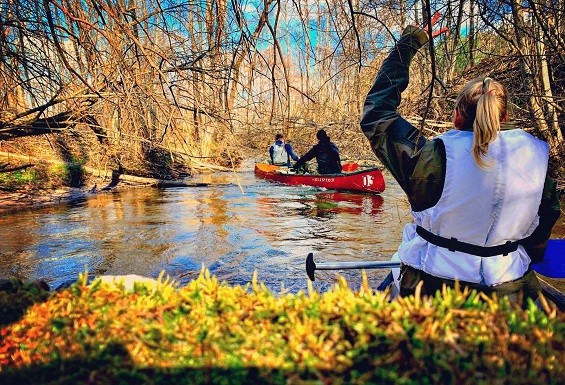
452,244
505,254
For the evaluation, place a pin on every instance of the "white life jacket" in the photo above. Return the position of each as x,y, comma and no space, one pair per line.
484,207
280,156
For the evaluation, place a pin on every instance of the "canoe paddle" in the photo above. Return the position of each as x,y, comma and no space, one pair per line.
552,265
349,167
311,266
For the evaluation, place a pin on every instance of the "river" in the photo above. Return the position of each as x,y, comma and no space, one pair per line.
236,225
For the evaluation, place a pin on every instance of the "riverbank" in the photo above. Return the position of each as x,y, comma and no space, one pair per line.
29,200
43,183
12,201
28,182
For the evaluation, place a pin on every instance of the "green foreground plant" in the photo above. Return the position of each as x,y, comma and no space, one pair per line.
211,332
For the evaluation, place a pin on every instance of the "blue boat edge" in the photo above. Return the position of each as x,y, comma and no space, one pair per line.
553,263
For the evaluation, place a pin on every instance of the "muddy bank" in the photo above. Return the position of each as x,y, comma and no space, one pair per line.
11,201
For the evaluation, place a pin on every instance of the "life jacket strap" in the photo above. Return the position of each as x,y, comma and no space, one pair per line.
452,244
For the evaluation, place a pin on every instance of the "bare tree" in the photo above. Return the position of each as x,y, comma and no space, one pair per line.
157,80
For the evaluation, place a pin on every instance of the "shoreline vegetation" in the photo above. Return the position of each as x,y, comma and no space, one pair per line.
107,331
27,182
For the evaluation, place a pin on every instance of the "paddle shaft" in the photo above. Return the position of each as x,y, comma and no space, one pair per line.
311,266
552,264
357,265
548,290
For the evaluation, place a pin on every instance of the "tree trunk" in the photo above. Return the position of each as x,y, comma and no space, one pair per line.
472,41
528,63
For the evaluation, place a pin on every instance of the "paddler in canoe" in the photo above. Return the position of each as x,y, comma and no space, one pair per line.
281,152
482,204
326,154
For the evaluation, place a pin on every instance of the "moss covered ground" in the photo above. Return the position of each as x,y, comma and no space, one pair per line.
209,332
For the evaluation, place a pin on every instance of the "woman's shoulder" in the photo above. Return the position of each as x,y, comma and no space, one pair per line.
455,134
519,133
518,136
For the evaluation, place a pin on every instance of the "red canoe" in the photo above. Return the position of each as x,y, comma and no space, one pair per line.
370,180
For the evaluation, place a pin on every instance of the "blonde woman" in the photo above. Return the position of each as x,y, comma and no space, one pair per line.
482,204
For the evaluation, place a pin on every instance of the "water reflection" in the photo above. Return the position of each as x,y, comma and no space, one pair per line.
333,203
232,229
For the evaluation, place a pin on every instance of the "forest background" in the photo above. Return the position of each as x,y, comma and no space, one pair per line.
162,89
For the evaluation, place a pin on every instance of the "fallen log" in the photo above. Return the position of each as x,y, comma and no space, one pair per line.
152,182
5,169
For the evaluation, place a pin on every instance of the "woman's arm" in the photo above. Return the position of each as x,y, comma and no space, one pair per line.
549,211
291,152
419,167
384,97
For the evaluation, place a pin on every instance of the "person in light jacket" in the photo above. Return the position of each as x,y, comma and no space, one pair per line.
281,152
482,204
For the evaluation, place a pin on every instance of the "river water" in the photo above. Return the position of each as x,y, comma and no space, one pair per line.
235,226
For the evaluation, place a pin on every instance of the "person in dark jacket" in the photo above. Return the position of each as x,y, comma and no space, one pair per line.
281,152
326,154
482,204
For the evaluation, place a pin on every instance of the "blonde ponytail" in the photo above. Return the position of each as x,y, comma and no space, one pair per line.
483,103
